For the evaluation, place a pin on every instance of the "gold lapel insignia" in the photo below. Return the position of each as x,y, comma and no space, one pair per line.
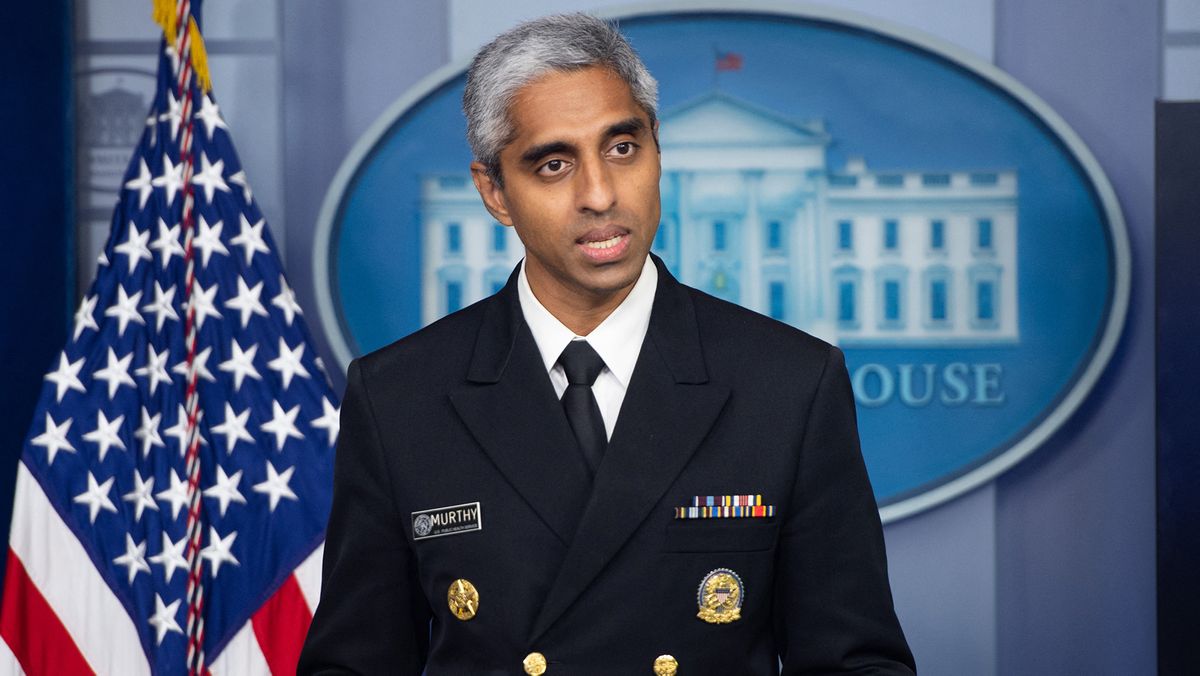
720,597
463,599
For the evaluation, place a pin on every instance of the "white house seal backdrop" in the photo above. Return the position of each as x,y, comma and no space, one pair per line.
873,186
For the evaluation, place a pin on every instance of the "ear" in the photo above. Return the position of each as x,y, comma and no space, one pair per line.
491,192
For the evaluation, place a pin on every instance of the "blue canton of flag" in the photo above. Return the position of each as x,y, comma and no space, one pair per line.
108,448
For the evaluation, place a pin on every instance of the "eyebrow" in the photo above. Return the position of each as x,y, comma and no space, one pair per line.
631,127
536,153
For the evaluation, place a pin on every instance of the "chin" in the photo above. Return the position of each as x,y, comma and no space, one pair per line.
615,277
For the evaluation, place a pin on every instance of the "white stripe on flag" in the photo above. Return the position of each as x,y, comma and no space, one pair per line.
57,563
241,656
308,576
9,666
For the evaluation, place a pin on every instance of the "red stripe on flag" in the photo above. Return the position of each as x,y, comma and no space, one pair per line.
33,631
280,626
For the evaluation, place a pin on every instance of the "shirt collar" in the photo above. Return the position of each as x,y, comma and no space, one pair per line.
618,339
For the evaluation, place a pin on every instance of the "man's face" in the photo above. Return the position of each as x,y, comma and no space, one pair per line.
580,185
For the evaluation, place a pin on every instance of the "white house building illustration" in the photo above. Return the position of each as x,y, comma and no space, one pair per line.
753,214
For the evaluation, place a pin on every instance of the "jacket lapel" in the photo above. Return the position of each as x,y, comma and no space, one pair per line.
668,410
510,408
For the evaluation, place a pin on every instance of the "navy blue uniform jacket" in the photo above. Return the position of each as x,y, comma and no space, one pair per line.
599,576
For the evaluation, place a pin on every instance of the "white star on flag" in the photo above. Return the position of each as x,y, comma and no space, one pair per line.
140,496
329,421
116,372
247,302
134,558
163,307
226,490
167,244
152,127
202,300
239,179
54,439
66,376
173,116
171,556
210,115
177,495
250,238
163,619
125,309
209,240
96,497
240,364
283,424
286,301
172,58
288,363
85,316
276,485
155,370
148,432
180,429
134,247
218,550
171,180
234,428
106,433
141,184
199,363
210,177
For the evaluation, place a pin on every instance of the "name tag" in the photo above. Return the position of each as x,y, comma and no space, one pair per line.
452,520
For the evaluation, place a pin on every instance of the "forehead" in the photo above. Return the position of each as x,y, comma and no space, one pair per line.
571,106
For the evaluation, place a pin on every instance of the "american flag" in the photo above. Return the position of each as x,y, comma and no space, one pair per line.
728,61
173,489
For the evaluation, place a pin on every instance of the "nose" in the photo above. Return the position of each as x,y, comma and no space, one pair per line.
595,191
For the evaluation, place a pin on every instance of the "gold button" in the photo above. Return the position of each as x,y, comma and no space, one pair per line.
665,665
535,664
463,599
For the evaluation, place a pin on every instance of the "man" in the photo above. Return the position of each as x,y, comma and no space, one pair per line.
524,486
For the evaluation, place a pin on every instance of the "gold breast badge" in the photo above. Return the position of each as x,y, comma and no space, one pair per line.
463,599
720,597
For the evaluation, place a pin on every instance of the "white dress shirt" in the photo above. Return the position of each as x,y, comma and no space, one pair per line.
618,340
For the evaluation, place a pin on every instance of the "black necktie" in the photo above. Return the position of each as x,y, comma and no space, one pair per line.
582,365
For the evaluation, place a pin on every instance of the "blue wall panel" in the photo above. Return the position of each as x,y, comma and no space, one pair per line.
1075,521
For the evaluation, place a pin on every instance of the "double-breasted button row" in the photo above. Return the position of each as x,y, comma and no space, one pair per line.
535,665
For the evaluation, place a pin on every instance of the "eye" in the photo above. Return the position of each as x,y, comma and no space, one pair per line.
623,149
552,168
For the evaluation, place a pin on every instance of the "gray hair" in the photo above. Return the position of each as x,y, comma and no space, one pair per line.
561,42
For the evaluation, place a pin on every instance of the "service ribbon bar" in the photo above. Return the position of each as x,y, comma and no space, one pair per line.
727,501
725,507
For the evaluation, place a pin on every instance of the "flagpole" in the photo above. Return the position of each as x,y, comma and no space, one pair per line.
187,42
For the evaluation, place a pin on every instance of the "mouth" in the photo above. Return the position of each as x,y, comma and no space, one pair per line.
604,245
